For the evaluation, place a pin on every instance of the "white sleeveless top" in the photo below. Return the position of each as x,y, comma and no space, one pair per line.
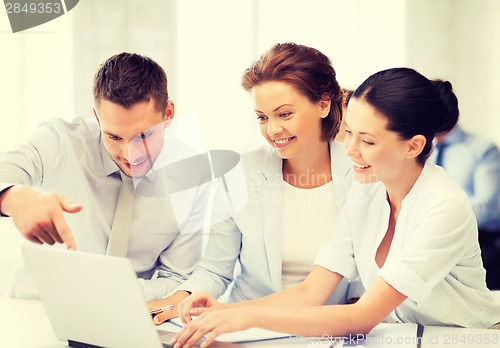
309,216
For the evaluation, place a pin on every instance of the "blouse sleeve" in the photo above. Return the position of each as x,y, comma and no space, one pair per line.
337,255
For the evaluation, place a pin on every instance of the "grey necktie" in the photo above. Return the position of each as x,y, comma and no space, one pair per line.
122,221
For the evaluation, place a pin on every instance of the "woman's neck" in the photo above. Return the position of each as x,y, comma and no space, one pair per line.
309,171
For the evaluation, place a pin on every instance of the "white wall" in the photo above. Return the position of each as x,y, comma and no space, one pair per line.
477,72
103,28
457,40
346,31
36,76
215,43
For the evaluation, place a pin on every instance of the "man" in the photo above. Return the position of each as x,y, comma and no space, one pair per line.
86,160
474,162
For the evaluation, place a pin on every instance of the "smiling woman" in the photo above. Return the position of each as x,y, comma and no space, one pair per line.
291,123
367,133
295,186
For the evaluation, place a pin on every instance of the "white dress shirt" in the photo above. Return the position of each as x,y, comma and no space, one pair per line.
69,158
434,257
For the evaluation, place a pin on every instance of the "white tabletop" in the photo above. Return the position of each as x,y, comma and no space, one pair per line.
24,323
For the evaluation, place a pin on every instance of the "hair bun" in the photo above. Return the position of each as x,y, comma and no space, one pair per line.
450,105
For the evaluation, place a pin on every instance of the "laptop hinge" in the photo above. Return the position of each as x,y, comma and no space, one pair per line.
76,344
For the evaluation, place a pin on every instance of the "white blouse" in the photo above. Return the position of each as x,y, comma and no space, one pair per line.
434,257
309,217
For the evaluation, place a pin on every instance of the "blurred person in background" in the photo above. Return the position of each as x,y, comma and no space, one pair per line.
474,162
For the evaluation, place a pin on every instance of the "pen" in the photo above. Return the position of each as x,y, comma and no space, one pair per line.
161,309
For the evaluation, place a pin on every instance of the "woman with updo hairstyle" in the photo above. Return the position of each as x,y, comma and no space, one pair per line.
407,230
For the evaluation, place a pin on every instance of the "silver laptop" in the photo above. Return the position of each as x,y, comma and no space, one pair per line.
93,300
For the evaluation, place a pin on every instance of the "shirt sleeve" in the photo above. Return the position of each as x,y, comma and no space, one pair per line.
337,255
176,264
438,236
27,163
215,271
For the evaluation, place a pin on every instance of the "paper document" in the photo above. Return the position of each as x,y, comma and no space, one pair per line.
383,335
249,335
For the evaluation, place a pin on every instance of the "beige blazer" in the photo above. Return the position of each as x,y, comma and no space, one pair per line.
252,232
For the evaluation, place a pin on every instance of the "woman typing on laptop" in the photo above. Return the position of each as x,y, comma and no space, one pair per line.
407,229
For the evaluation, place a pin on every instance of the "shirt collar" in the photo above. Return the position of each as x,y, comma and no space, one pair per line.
429,170
110,166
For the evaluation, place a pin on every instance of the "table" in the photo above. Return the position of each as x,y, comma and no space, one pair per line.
24,324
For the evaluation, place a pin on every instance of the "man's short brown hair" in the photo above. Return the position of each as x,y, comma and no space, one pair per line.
128,78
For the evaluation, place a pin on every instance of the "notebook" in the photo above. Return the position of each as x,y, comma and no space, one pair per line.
94,300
